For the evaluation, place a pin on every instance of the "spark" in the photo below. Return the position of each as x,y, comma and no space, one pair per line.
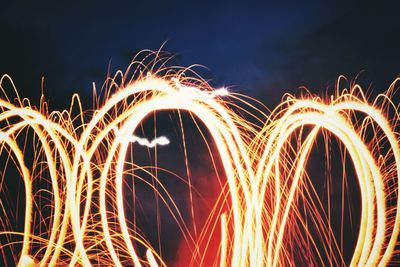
265,177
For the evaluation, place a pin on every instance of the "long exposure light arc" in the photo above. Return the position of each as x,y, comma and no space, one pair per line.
252,233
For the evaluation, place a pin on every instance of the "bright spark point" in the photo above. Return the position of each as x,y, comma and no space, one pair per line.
220,92
162,141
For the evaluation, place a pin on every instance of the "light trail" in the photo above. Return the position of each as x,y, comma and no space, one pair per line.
266,178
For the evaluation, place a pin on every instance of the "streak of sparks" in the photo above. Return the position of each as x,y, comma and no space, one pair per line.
264,171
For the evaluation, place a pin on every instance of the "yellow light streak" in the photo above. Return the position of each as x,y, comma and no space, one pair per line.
265,175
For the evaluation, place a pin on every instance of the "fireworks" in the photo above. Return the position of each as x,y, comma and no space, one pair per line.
266,182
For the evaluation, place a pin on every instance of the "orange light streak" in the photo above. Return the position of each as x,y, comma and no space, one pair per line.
262,165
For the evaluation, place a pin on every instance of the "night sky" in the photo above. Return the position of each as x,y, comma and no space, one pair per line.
258,48
253,47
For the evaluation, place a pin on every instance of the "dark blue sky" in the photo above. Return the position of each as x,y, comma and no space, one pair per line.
262,49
